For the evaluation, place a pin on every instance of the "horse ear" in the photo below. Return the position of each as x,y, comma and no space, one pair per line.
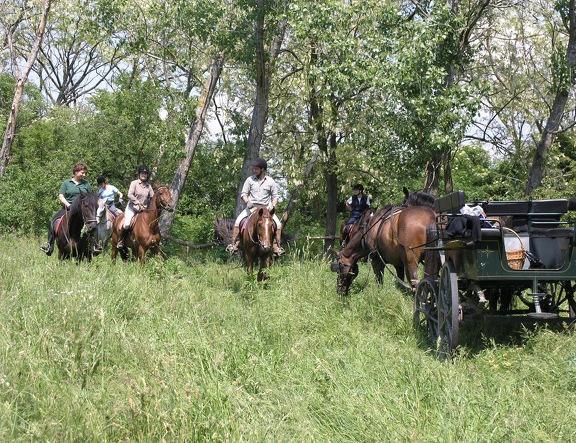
405,190
155,185
272,211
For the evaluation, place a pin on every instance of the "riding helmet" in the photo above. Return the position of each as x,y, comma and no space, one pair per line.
101,179
143,169
359,186
261,163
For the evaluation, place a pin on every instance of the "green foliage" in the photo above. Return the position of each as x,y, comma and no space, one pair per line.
197,229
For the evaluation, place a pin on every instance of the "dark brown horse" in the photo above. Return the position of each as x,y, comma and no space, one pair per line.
256,240
346,233
76,232
396,236
145,231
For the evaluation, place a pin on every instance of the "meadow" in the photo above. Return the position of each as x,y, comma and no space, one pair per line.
192,350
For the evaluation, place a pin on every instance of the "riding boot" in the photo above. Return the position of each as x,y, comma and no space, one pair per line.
48,248
122,236
232,248
278,250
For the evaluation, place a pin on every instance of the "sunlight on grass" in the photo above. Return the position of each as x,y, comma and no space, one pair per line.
196,350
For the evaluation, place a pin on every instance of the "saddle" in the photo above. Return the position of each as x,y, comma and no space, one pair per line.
245,220
57,224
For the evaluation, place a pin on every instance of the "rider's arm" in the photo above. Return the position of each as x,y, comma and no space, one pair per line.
63,200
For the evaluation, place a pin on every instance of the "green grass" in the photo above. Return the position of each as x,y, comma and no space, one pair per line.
194,351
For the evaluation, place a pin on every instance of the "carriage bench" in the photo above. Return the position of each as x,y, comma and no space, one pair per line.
537,222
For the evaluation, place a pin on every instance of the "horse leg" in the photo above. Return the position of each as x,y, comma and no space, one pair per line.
378,268
264,263
400,272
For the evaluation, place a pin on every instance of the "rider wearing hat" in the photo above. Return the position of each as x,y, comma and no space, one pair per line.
107,192
139,196
357,204
258,190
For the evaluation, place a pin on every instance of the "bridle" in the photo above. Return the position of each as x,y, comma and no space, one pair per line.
268,217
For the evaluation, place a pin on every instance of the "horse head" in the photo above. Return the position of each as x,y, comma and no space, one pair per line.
264,229
164,198
101,216
347,269
88,207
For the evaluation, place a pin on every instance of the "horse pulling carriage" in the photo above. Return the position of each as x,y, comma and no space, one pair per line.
519,261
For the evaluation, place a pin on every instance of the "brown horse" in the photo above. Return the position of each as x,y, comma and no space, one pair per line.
76,233
397,236
347,233
256,240
145,231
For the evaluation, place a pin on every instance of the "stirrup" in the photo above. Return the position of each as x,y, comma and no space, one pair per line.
231,248
280,251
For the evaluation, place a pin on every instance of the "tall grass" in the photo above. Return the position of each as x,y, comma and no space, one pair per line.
194,351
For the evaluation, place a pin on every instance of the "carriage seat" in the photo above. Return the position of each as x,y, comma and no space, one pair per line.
551,246
450,203
526,215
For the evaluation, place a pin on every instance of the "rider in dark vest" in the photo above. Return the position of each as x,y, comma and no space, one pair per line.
357,204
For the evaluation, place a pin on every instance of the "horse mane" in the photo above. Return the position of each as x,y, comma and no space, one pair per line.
75,205
419,198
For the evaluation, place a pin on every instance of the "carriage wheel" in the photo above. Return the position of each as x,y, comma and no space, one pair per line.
448,311
558,293
426,309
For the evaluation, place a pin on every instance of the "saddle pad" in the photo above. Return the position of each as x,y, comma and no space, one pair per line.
57,225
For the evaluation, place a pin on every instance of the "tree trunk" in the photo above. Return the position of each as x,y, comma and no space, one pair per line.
21,80
260,111
553,124
193,137
296,192
331,194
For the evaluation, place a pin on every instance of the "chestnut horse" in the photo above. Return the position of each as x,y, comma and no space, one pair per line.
397,236
145,231
76,233
256,240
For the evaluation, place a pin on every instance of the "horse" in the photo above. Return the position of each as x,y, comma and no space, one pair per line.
346,235
418,198
394,235
76,229
105,220
145,230
256,240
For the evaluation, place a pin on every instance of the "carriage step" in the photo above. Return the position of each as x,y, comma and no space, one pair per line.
542,315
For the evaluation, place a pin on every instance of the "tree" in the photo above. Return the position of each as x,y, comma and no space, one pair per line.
564,81
21,77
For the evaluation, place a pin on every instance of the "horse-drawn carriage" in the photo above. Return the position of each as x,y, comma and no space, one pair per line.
517,261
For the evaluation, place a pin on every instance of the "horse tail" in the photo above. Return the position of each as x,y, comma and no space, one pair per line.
432,261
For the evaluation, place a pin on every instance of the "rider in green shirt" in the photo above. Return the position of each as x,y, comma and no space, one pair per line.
69,190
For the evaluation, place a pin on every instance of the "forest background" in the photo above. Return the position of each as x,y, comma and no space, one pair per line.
471,95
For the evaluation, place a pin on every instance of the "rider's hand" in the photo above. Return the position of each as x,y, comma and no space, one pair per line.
270,207
249,204
119,201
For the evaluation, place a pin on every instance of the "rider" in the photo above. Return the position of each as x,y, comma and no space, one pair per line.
69,190
139,196
356,204
107,192
258,190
